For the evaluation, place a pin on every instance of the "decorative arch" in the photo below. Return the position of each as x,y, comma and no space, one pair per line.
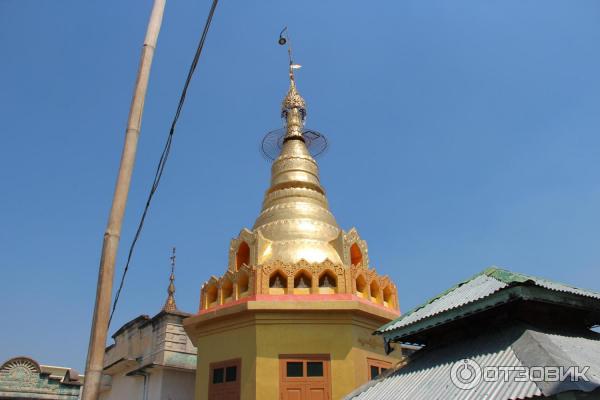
328,282
242,256
226,289
375,290
362,289
277,282
18,364
243,283
302,282
355,249
211,293
237,258
388,296
356,256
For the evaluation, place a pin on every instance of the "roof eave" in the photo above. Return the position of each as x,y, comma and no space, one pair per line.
500,298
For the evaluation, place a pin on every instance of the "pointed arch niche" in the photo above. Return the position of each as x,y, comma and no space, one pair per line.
226,290
375,290
211,294
328,282
362,289
356,256
243,284
302,282
242,250
277,282
242,256
355,249
388,297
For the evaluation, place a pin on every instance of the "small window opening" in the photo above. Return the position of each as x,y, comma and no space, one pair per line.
374,372
218,375
314,368
294,369
377,367
230,374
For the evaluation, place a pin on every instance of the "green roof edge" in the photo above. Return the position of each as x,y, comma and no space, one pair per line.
503,275
490,271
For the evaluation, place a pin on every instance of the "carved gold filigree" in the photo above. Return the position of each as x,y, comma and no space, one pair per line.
293,99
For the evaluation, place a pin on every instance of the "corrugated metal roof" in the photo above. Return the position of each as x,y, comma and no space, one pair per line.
428,376
476,288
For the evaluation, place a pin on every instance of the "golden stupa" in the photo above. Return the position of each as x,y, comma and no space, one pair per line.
298,289
295,222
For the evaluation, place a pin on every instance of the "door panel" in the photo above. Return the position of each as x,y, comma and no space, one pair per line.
316,393
305,377
224,380
293,394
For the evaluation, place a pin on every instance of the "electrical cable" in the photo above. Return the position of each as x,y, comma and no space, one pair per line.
165,154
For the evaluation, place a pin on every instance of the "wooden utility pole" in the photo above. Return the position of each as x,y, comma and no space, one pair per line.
95,357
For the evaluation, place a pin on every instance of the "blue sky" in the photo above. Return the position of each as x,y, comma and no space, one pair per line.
463,134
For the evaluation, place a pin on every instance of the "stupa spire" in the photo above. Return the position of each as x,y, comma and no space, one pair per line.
293,107
170,303
295,216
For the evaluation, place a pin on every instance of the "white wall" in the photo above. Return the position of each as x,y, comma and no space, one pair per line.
178,385
124,387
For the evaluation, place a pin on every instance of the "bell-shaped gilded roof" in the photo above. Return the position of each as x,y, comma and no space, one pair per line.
295,216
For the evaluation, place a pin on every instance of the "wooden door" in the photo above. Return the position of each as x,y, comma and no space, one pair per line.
224,381
305,377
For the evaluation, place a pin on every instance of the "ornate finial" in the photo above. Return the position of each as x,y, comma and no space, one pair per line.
293,99
170,303
293,107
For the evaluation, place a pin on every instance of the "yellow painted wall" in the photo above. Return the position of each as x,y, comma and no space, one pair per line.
348,362
226,345
260,337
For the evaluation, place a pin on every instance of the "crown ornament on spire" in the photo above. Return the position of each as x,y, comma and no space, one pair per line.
293,107
293,113
170,303
293,100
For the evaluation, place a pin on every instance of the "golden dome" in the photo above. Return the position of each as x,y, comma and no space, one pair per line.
295,216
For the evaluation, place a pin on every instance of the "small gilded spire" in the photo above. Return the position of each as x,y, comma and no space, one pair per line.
170,303
295,219
293,106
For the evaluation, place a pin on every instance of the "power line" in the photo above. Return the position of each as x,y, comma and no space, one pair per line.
165,153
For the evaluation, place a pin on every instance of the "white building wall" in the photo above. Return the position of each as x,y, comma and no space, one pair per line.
125,387
155,384
158,347
178,385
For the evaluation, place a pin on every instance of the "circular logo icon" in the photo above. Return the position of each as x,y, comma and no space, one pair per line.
465,374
